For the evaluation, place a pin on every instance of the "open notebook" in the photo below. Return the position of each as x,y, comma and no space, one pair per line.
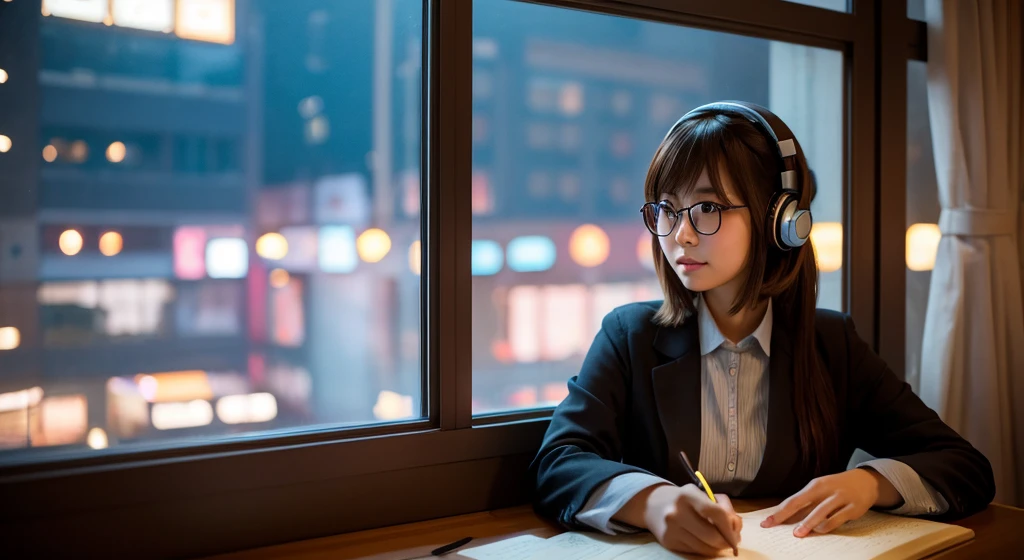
875,535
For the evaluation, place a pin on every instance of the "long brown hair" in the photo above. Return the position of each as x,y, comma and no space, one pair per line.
713,140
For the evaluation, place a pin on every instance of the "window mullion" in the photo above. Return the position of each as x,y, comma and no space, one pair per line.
892,187
452,132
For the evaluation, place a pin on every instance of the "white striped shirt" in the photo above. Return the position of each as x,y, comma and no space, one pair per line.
734,422
734,427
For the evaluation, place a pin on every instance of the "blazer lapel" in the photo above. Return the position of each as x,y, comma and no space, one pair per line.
780,462
677,395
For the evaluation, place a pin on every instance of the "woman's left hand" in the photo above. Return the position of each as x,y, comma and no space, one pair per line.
835,499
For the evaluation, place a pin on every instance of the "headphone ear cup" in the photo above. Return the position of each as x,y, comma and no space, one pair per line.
796,228
790,226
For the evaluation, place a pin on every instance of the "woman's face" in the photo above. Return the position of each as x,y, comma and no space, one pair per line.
709,262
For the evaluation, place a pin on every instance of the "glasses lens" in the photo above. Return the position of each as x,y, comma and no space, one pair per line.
706,217
657,218
650,215
664,219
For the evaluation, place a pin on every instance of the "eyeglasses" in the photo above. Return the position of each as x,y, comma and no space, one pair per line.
705,217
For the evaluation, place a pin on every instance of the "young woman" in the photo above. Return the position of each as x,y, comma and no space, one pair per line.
766,395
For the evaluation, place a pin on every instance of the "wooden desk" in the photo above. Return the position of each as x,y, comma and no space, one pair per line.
999,530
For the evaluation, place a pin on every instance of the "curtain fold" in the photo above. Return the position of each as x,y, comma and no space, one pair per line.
972,360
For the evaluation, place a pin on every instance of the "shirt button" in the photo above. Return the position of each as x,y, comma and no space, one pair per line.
732,466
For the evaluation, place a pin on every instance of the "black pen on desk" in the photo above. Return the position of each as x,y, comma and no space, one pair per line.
450,547
699,482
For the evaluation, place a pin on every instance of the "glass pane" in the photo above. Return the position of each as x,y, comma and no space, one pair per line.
835,5
568,108
915,9
213,224
922,214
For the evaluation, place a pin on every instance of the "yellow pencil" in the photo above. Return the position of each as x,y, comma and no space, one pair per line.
707,487
700,482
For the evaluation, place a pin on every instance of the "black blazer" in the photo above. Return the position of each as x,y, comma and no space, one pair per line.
636,403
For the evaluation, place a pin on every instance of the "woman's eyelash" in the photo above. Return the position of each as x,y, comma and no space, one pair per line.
696,203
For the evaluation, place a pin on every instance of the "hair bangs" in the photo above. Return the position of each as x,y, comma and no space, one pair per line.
693,148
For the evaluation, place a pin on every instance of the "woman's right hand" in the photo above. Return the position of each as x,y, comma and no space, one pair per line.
683,519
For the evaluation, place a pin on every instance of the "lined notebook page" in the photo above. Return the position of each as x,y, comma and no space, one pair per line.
580,546
566,546
508,549
875,535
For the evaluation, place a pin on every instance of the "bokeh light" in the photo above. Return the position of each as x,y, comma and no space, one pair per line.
373,245
111,243
415,257
279,278
70,242
10,338
589,245
116,152
272,246
827,240
922,246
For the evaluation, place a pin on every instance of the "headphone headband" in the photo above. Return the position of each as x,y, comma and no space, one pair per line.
784,149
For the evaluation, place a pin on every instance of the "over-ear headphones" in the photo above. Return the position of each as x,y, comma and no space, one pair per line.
790,226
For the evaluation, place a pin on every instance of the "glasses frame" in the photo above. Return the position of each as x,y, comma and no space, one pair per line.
678,213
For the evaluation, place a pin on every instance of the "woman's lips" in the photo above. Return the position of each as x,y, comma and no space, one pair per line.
690,265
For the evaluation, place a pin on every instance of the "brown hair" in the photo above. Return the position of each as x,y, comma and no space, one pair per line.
714,141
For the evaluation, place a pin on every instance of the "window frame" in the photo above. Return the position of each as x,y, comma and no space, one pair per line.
173,501
900,40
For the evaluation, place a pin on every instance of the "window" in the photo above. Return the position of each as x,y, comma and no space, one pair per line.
226,234
566,116
261,256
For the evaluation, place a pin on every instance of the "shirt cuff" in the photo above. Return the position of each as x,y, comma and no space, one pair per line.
919,497
609,498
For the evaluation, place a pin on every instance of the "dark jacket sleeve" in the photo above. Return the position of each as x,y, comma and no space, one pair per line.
889,420
583,445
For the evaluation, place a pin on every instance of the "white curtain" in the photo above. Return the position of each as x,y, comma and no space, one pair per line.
972,360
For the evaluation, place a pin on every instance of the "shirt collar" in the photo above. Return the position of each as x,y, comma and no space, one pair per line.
711,337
